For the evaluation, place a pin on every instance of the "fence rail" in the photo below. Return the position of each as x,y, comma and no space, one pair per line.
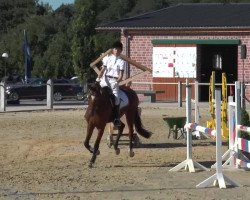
47,92
50,84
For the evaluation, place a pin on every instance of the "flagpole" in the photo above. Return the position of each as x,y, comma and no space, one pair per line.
27,63
25,77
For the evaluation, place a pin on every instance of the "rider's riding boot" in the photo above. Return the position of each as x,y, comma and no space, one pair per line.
117,121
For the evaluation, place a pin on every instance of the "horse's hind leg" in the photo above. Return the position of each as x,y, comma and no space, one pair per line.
110,140
130,124
120,131
96,151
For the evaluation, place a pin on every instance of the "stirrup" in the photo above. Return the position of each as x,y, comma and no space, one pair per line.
117,122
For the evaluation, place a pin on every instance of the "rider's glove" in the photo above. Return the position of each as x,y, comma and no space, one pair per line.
115,85
98,79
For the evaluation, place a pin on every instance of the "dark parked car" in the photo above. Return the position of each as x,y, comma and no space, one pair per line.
37,89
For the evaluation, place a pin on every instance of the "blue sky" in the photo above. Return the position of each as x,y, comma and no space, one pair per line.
56,3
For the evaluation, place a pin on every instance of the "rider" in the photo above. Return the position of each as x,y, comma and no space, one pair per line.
111,74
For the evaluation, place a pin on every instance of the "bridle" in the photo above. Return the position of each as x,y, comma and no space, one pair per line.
93,93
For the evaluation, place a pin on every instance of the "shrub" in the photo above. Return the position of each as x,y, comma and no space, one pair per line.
245,122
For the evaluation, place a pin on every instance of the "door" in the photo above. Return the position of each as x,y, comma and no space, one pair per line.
218,58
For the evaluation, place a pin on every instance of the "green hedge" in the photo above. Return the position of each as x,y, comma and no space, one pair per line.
245,122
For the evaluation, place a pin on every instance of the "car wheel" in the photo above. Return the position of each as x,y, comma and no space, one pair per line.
14,96
79,96
58,96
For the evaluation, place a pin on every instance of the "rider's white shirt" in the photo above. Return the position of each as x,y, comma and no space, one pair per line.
113,65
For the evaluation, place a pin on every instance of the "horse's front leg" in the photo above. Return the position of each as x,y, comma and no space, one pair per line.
90,129
120,131
96,151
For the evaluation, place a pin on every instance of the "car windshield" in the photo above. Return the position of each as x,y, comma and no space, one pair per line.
38,82
75,81
61,81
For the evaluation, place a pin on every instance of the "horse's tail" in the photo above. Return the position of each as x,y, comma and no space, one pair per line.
139,127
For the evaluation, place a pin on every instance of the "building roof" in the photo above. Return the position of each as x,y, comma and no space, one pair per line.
188,16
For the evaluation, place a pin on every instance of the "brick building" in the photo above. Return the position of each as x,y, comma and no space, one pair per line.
187,41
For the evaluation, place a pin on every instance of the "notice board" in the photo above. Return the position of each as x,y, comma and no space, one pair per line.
174,62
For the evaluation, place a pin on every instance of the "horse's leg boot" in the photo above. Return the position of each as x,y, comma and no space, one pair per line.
117,121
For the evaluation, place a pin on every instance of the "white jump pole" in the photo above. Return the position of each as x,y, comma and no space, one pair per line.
189,163
218,178
196,93
234,113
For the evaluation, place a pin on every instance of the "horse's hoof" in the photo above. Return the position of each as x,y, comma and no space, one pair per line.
136,141
97,152
131,154
117,151
91,165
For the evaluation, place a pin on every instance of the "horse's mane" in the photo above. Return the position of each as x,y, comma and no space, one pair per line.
102,99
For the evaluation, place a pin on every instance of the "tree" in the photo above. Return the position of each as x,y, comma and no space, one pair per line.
116,10
83,40
143,6
15,12
58,57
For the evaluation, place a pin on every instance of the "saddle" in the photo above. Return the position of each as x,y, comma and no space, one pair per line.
122,94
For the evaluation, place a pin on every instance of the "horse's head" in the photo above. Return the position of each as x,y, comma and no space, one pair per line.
98,100
94,89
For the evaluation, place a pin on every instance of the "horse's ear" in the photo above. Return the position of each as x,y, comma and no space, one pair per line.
90,85
95,87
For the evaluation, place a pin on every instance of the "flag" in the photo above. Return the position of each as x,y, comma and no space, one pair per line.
27,58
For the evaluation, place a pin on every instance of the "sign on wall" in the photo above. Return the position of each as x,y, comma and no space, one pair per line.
174,62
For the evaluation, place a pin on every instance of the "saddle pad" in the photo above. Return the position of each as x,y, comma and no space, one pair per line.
123,99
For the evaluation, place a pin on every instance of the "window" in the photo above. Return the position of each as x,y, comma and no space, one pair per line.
217,61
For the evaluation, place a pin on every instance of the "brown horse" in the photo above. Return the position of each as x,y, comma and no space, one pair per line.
100,112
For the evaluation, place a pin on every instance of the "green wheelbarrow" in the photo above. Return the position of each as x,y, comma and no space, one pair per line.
176,125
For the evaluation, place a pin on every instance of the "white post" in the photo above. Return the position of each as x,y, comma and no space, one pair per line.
50,93
188,115
3,96
237,115
180,93
196,94
234,119
219,174
230,152
238,105
189,163
231,128
218,178
242,95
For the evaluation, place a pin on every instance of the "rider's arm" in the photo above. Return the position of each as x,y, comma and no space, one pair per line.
121,72
103,68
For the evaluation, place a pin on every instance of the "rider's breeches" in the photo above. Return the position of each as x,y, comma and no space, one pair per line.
112,83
